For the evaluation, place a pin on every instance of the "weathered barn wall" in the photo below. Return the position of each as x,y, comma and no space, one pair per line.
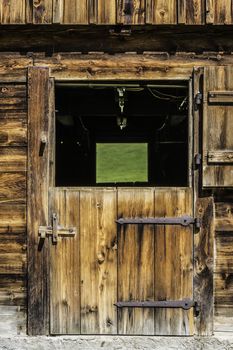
13,165
13,154
127,12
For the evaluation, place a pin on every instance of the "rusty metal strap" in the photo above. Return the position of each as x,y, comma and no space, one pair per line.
184,304
185,220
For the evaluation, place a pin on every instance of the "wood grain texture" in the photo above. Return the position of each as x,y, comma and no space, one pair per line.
13,188
15,91
131,11
13,159
220,157
162,12
218,12
12,218
98,254
203,272
135,261
65,266
191,12
102,12
13,290
37,214
42,11
13,320
13,132
223,319
173,262
71,11
217,126
12,12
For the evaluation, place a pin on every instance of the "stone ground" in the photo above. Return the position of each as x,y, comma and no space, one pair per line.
220,342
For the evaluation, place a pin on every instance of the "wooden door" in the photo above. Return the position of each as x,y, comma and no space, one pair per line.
217,126
106,263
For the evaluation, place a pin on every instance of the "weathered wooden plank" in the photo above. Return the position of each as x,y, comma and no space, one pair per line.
16,91
223,320
13,263
12,12
13,290
13,132
102,12
135,261
65,266
223,288
71,11
191,12
220,157
13,104
12,218
98,256
173,262
131,11
13,159
203,272
37,213
218,12
224,225
13,320
217,126
13,187
11,114
220,96
224,210
224,251
42,11
162,12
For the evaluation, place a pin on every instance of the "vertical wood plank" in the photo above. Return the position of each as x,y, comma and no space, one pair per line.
131,11
203,272
12,12
57,11
191,12
38,92
219,12
217,126
173,262
104,12
42,11
163,12
64,264
136,261
71,11
98,261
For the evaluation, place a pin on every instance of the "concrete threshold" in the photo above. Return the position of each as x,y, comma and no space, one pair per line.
221,341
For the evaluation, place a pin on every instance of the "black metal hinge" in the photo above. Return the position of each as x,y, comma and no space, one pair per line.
185,220
185,304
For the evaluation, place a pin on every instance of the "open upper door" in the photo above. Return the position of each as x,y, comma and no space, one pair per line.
218,126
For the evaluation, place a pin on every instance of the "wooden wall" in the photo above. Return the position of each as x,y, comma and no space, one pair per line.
13,154
127,12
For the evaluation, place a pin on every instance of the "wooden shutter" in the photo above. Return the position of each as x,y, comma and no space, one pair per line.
218,126
39,109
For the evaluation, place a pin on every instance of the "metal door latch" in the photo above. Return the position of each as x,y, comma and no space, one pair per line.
55,230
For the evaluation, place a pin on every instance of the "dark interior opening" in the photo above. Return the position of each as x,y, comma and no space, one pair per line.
122,134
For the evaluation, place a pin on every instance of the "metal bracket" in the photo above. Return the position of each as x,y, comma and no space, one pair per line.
198,100
198,158
55,230
185,304
185,220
